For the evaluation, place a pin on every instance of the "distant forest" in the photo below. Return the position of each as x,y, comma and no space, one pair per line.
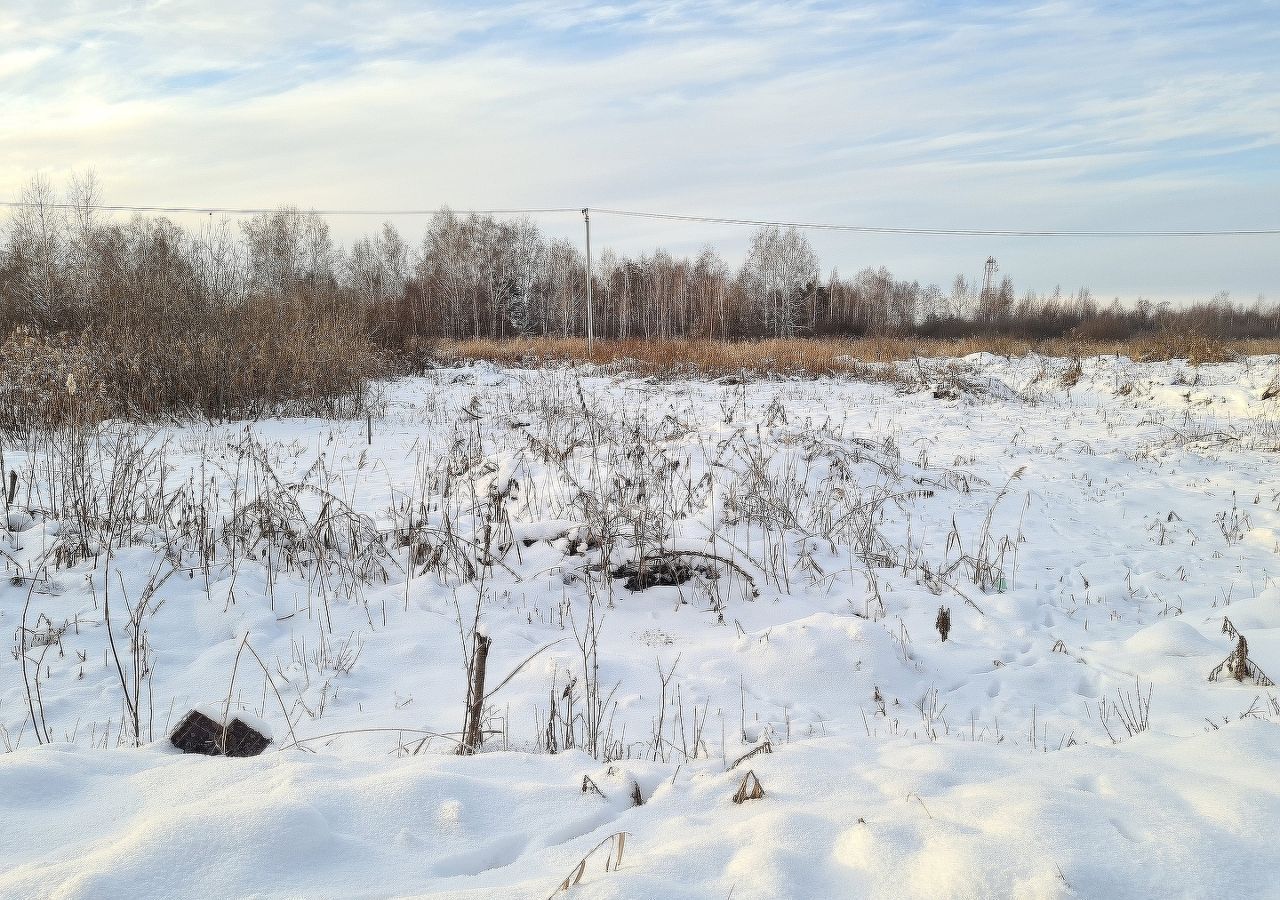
236,317
474,276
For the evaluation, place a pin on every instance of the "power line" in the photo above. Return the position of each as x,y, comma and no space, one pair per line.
951,232
259,210
670,217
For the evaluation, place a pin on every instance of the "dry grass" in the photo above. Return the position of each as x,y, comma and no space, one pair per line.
47,380
252,362
272,359
820,356
706,358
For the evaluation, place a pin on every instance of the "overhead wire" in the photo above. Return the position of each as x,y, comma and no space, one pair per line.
955,232
675,217
259,210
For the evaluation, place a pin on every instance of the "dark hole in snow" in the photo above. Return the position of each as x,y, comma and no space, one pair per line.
654,573
198,733
660,573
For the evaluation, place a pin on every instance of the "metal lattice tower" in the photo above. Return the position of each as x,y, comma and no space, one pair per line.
989,275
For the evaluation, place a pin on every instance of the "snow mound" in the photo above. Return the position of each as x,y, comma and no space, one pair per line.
1172,638
840,817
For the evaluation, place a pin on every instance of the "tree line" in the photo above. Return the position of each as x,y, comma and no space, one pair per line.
478,276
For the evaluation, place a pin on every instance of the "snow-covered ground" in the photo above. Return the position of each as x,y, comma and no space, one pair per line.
1088,528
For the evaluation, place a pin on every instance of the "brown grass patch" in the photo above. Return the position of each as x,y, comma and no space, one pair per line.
819,356
246,363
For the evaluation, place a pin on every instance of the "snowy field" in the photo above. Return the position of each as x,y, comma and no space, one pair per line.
1102,536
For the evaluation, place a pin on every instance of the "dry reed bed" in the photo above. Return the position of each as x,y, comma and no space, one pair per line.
821,356
267,358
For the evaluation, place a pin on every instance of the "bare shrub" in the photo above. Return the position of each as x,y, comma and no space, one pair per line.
1131,709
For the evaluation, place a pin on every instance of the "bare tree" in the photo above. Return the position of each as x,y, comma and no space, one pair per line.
778,276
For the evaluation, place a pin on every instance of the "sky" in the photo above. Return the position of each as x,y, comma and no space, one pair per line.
1059,115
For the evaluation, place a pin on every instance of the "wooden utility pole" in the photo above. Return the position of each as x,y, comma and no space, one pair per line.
586,218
